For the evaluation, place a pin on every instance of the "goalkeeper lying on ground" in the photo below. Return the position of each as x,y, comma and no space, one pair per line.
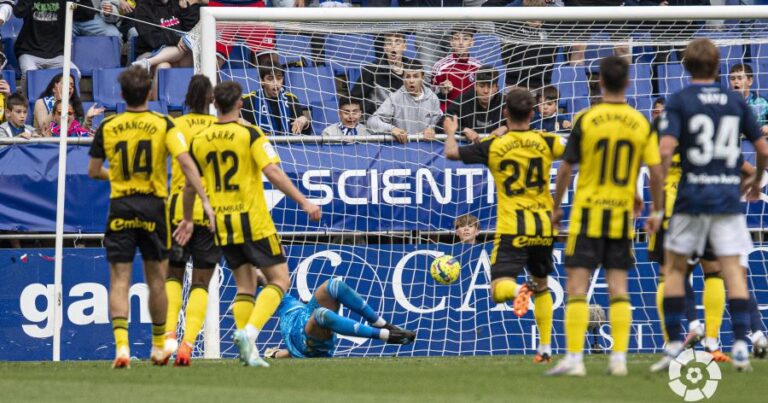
309,330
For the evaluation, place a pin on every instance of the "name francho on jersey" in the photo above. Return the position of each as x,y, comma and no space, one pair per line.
707,122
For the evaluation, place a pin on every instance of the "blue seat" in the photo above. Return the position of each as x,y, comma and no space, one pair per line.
572,86
672,78
155,106
239,58
316,88
11,28
172,86
411,50
640,88
37,81
343,51
132,48
487,49
90,53
293,47
731,54
10,77
105,89
10,55
247,78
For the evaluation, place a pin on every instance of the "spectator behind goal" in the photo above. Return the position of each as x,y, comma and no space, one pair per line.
546,117
413,109
481,109
273,109
350,112
455,73
17,107
40,44
44,106
467,229
740,78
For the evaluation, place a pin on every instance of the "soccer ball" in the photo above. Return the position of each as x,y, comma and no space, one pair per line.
445,269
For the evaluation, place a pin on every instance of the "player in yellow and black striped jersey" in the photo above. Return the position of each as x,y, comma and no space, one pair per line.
232,158
136,144
201,248
520,162
609,142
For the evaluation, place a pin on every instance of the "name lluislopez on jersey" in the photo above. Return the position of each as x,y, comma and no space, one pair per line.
145,127
119,224
527,143
523,241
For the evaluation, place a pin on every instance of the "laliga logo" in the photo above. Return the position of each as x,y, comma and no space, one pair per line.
693,375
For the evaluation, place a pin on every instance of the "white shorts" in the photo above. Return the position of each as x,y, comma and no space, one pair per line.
727,234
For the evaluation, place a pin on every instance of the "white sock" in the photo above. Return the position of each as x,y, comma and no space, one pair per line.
384,334
618,357
575,357
695,326
740,348
755,336
674,348
545,349
711,343
252,332
379,322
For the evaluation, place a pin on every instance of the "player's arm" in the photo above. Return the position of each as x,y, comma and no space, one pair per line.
96,169
761,158
193,181
451,148
267,159
667,147
571,156
476,153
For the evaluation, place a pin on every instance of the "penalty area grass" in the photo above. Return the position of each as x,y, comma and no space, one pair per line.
435,379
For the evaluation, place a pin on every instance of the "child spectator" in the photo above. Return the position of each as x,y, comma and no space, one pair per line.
467,229
74,129
741,78
17,107
481,109
350,112
385,76
275,110
455,73
546,117
52,93
413,109
658,108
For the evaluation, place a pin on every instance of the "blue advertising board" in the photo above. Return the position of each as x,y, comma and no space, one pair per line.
458,319
361,187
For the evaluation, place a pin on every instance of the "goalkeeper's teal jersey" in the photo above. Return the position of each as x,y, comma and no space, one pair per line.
294,316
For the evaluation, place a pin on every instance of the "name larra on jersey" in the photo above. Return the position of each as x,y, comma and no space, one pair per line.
189,125
520,162
231,158
609,142
137,145
707,122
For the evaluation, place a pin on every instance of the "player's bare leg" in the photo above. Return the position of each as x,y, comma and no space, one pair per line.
195,313
245,279
155,273
736,282
505,289
265,306
119,285
576,322
543,315
620,317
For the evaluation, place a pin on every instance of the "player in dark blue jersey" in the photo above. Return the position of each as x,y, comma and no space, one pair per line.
705,121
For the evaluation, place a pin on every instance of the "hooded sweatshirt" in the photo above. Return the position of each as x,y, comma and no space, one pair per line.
404,111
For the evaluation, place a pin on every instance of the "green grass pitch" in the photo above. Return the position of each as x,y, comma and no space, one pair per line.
450,379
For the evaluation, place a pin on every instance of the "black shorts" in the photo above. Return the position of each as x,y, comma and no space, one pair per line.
201,248
137,221
262,253
512,253
583,251
656,247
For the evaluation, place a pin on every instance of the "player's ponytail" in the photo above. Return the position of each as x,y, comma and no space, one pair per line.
199,94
